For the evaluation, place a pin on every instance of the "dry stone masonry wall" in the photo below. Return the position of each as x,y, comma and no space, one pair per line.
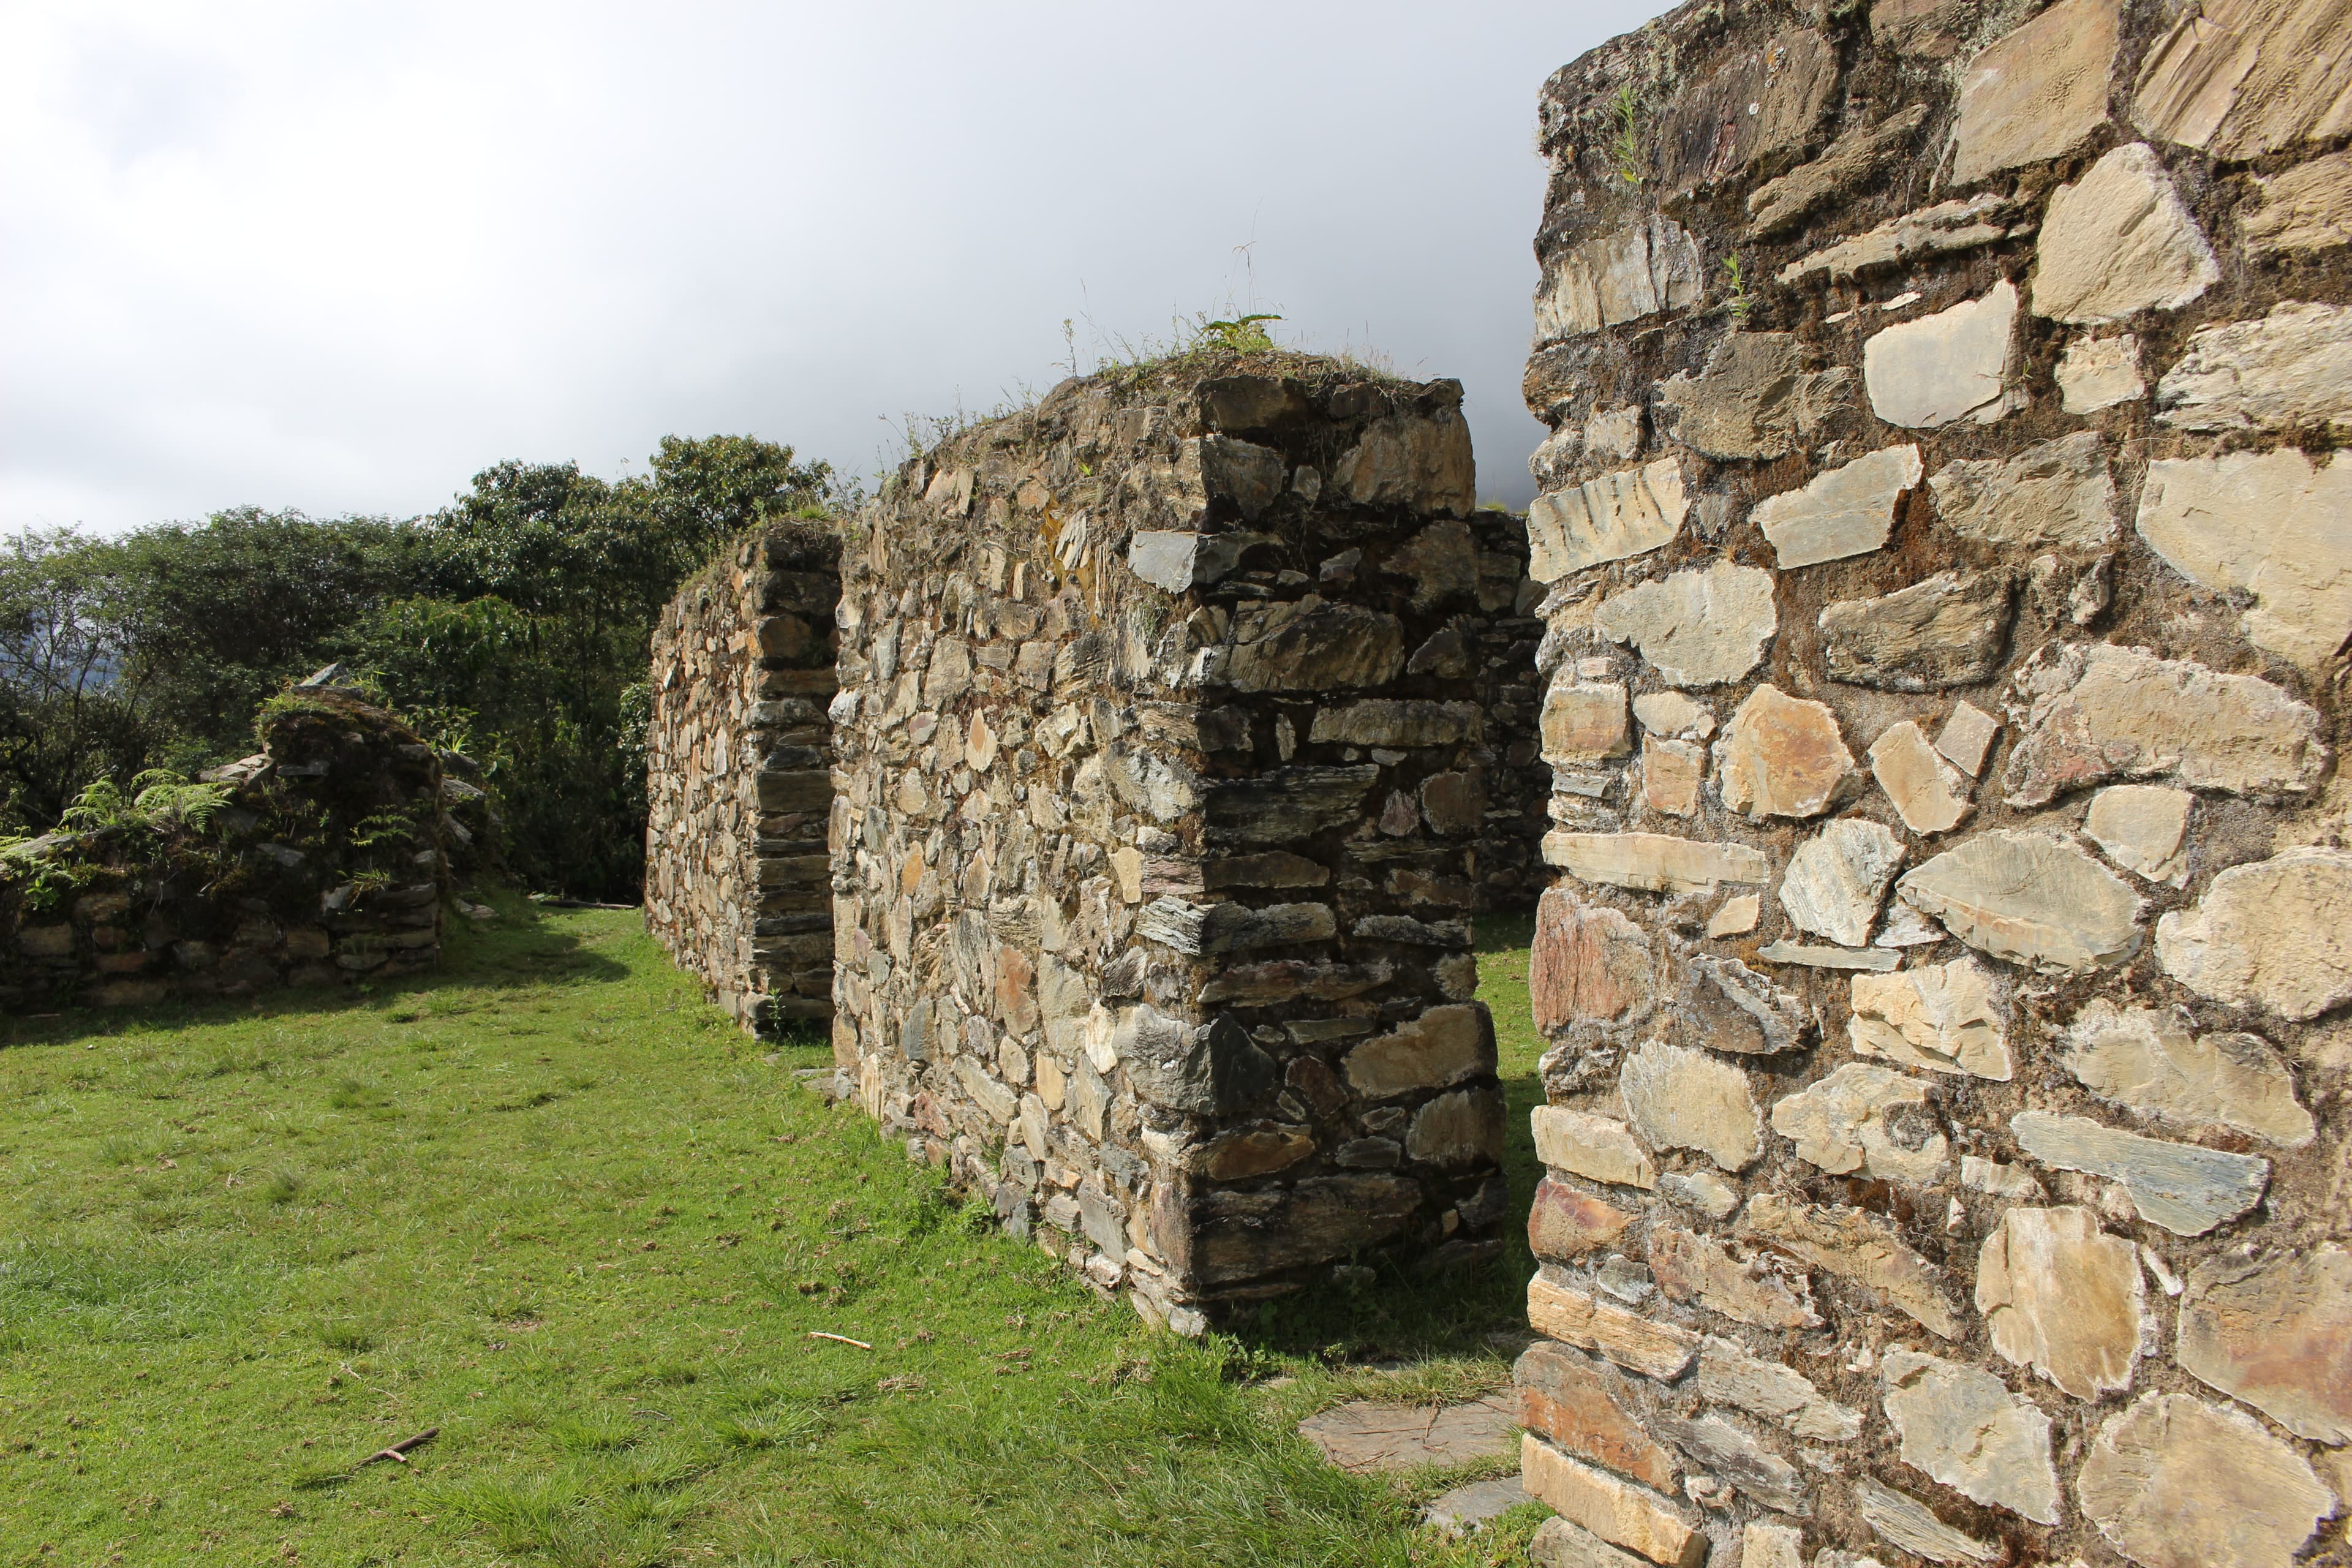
737,758
322,862
1948,568
1164,762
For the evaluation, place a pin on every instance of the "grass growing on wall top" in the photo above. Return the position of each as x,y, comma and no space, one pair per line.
554,1205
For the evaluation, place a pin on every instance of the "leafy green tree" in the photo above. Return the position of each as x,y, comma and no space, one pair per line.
69,716
512,624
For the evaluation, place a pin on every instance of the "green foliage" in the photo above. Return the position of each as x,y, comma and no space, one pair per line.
512,626
349,1244
1243,335
1628,157
1738,302
157,801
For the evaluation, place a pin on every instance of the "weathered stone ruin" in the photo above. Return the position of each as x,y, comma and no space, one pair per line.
324,862
737,786
1162,787
1949,572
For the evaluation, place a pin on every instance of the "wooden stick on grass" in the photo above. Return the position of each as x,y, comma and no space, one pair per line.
398,1452
839,1338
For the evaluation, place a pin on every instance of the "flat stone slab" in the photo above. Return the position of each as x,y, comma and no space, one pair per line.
1467,1508
1363,1438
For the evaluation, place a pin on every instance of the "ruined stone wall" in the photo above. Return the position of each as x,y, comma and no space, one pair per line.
1948,571
320,860
738,884
1162,797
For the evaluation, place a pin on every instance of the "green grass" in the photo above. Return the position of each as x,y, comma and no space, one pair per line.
552,1205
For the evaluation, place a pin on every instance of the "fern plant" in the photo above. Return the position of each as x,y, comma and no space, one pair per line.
155,800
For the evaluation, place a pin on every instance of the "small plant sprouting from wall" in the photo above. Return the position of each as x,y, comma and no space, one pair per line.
1739,302
1243,335
1625,152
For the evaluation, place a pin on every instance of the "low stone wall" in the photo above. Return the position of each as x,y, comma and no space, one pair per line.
1162,787
738,789
1949,577
324,864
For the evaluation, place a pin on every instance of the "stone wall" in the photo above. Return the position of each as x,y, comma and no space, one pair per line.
323,862
1949,568
737,758
1162,789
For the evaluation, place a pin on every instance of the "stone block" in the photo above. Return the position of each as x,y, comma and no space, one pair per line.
1699,628
2173,1482
1637,1344
1611,518
1952,365
1848,511
1565,1224
2269,524
2186,1188
2276,934
2119,241
1593,1147
1780,756
2304,209
2030,899
1681,1099
1945,1019
1950,629
2276,1332
1587,962
1624,275
2038,93
2242,77
2290,368
1857,1246
1616,1511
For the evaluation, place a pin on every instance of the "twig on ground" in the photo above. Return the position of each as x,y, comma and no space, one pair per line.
398,1452
839,1338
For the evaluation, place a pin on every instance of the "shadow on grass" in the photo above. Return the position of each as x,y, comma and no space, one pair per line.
1406,1312
521,947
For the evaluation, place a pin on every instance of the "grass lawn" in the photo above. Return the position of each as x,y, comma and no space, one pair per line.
550,1204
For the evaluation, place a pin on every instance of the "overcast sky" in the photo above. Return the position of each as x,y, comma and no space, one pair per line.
338,257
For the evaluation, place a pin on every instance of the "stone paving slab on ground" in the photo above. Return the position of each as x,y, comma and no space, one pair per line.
1361,1436
1468,1508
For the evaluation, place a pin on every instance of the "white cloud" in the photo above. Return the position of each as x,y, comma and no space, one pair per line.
341,256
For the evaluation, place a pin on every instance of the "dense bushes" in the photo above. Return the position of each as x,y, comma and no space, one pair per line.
512,626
